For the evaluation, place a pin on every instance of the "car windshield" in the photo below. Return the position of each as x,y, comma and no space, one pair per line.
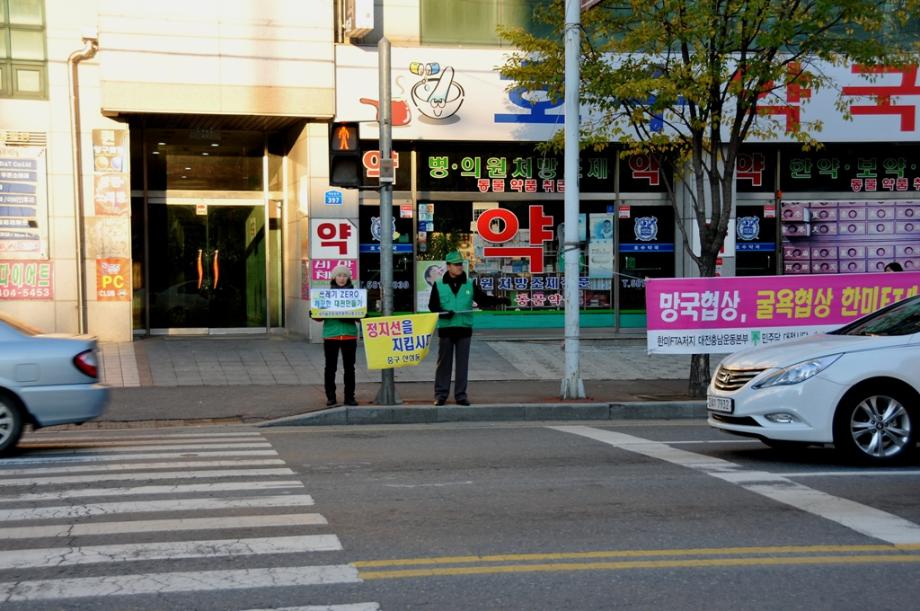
19,325
902,318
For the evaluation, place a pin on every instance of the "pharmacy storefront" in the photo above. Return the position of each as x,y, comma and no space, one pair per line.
471,175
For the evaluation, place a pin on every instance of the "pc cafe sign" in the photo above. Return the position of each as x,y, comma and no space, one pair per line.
500,226
333,239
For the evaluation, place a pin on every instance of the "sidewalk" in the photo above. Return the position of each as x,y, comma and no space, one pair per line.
260,378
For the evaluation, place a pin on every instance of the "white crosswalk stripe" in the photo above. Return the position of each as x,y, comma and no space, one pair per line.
134,467
162,583
176,498
123,477
87,458
144,490
138,526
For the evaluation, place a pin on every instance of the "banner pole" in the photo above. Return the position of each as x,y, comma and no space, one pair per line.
387,393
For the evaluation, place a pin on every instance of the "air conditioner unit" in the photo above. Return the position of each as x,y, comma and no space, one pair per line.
358,20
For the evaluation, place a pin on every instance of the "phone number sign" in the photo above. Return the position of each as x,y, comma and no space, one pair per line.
26,280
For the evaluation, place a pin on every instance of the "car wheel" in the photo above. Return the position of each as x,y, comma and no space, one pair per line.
10,425
875,426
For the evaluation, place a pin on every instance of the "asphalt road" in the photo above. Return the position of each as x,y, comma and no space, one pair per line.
457,516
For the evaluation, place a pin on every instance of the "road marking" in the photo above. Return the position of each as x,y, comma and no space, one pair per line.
157,448
162,583
203,504
182,524
861,518
643,553
434,485
640,564
44,459
353,607
117,477
36,444
131,552
189,464
857,473
58,495
708,441
83,436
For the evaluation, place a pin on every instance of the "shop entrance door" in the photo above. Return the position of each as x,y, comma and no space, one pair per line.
208,263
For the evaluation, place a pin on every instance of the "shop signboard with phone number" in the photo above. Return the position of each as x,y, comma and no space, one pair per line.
26,280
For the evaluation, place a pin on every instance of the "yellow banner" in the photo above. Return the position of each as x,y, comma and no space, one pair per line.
397,341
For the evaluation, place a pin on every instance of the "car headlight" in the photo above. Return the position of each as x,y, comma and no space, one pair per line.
797,373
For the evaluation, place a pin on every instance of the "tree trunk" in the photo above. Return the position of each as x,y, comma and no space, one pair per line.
699,375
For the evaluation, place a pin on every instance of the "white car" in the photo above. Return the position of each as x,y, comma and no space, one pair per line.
857,387
45,380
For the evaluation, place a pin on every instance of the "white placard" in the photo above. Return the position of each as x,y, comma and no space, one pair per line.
338,303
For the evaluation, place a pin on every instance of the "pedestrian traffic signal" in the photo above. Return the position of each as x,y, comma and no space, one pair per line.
344,156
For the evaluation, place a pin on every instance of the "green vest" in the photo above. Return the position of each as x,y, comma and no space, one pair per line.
463,300
334,327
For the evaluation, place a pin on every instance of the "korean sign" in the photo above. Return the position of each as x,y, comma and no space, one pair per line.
500,225
853,169
26,280
451,94
338,303
23,203
111,183
113,280
722,315
333,238
397,341
512,169
321,269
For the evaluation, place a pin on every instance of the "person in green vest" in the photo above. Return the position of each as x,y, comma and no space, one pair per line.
340,335
453,297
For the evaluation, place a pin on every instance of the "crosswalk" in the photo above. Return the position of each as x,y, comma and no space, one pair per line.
217,518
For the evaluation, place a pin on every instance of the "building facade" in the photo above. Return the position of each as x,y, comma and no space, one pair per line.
164,168
181,206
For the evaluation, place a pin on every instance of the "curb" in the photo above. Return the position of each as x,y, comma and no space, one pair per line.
338,416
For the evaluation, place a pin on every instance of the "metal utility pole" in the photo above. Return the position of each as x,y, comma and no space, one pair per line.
387,393
572,385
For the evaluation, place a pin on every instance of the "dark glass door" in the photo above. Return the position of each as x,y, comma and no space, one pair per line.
207,266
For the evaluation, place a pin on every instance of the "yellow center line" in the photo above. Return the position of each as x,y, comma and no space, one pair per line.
652,553
638,564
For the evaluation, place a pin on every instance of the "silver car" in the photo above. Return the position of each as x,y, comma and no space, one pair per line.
45,380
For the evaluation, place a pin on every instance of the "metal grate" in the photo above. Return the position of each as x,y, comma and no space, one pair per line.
733,379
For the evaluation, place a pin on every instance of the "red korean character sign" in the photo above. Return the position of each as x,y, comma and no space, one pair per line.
333,239
884,97
541,230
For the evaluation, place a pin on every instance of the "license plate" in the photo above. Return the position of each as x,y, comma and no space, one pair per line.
720,404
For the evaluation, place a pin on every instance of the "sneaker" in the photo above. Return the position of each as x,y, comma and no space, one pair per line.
439,402
463,401
351,402
330,402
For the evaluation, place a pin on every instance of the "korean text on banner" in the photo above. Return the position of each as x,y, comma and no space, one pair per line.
397,341
723,315
338,303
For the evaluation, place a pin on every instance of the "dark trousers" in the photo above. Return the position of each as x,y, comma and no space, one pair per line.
331,348
447,347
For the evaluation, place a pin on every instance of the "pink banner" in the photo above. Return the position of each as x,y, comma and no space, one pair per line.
322,268
706,315
767,301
